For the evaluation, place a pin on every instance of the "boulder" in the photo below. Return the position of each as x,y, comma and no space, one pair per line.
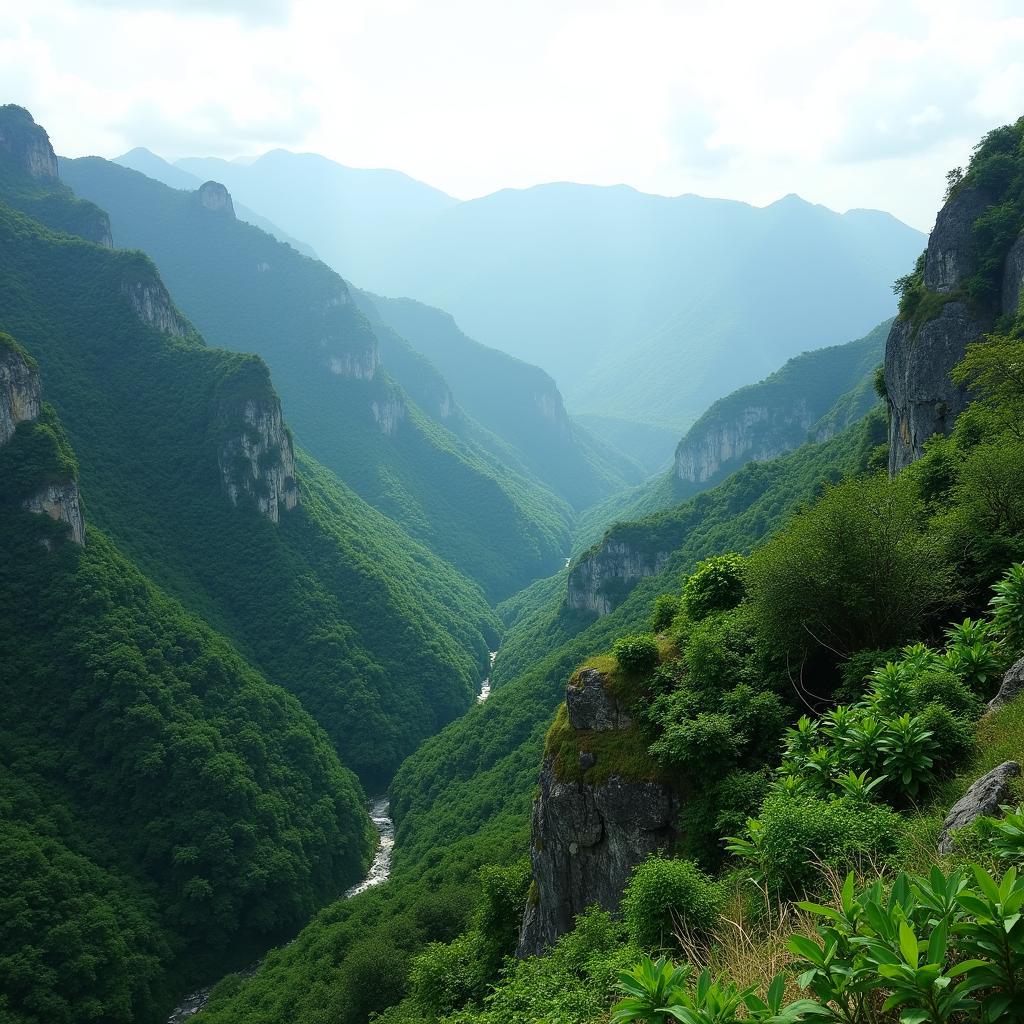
591,707
1011,686
983,799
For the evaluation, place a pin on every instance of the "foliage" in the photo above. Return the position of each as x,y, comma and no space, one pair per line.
637,654
1008,606
795,835
664,896
715,585
856,570
666,606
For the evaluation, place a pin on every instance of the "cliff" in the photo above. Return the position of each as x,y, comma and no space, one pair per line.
603,576
594,821
29,168
939,318
41,473
811,397
255,453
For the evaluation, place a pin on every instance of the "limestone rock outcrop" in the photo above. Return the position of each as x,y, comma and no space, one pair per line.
214,196
257,460
27,143
923,401
983,799
60,501
19,391
153,306
587,839
1010,688
602,578
20,402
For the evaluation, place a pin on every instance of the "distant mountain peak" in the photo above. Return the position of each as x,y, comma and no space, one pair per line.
215,196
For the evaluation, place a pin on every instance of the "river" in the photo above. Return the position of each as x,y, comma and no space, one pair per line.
380,869
380,815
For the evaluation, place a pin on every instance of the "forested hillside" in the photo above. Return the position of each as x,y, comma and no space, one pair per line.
792,695
424,468
121,708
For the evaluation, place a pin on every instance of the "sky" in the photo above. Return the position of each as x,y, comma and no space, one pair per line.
849,104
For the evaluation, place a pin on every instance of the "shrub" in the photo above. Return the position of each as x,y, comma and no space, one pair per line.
716,585
446,976
942,687
665,893
718,651
637,654
665,608
855,571
1008,607
794,834
952,737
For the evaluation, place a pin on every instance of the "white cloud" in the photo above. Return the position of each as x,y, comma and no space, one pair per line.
851,103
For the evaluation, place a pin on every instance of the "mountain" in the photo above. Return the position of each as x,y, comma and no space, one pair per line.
812,397
120,709
145,162
520,403
247,291
194,475
643,308
351,216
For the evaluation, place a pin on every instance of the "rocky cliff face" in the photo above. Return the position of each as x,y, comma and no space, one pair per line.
27,143
153,306
600,581
60,501
19,392
20,403
587,839
213,196
388,413
918,358
755,433
257,461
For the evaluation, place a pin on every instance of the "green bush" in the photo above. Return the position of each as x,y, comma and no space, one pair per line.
1008,607
952,737
793,835
719,650
940,686
446,976
665,894
665,608
857,570
637,654
716,585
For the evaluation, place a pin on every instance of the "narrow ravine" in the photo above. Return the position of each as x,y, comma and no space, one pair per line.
380,815
380,869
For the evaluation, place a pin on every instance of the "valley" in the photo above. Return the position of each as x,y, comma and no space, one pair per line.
567,604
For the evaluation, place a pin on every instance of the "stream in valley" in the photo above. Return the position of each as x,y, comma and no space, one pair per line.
380,869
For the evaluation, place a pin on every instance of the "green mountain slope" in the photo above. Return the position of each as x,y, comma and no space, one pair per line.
813,396
246,290
463,799
377,636
518,402
165,808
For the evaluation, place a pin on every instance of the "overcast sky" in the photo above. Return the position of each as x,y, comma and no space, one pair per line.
849,104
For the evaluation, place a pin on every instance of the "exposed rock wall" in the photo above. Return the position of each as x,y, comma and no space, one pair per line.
587,839
257,462
388,413
20,402
213,196
922,399
27,143
19,392
600,581
153,306
60,501
756,433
